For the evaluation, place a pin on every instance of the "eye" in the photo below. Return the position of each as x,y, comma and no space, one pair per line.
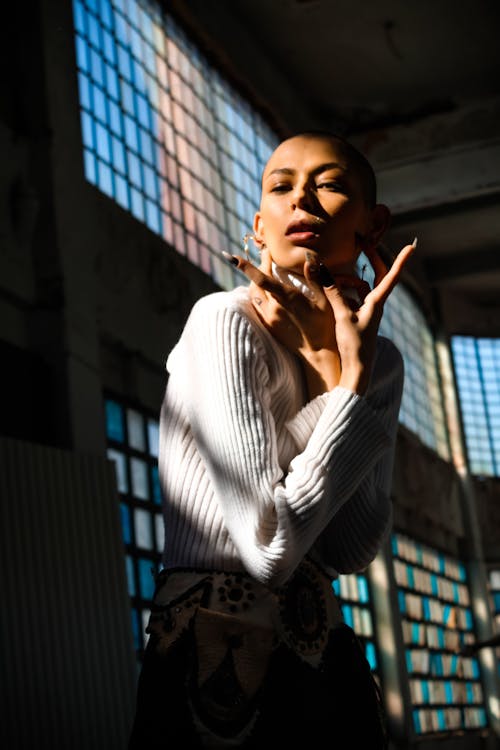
332,185
280,187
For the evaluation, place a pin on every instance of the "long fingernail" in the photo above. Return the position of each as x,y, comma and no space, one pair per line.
414,243
324,276
230,258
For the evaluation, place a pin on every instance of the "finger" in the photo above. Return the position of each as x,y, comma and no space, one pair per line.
313,273
387,284
259,278
340,305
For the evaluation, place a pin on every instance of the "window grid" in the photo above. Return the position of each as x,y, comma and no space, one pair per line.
437,621
477,372
132,436
494,591
422,409
353,592
164,134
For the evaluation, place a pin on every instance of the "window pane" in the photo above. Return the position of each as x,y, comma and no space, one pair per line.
477,372
146,578
160,532
143,530
139,476
121,469
153,437
135,425
114,421
125,519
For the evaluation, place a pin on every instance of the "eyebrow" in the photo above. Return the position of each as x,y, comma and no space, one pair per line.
318,170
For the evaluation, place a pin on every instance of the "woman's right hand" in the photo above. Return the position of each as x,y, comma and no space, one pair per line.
298,322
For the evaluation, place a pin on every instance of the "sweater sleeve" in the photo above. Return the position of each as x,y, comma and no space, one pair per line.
353,537
273,520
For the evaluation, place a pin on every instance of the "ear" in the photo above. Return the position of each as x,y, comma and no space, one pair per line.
380,220
258,229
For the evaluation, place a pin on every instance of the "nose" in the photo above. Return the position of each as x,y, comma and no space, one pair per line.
302,196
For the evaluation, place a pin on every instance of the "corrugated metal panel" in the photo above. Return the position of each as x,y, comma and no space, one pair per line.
67,672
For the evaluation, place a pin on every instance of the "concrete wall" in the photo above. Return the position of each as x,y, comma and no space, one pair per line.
91,300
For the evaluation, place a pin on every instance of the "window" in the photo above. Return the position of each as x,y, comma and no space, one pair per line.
353,592
164,135
494,591
437,621
422,404
477,371
133,447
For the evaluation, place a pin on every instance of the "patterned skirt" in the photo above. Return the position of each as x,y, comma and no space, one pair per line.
232,664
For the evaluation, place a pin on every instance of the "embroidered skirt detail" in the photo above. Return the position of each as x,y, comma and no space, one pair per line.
231,663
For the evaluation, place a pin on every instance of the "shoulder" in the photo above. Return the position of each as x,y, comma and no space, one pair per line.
218,322
235,302
389,364
388,356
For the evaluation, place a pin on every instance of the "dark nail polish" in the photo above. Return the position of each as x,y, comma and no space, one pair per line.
324,276
230,258
312,260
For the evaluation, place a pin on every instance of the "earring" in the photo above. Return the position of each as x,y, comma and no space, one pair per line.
248,237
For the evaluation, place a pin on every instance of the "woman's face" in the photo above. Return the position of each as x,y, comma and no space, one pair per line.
312,200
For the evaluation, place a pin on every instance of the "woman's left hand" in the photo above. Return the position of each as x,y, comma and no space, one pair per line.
356,330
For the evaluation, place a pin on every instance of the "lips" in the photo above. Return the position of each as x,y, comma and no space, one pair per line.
303,227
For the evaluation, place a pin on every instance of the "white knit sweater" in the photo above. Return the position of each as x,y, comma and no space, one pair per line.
253,476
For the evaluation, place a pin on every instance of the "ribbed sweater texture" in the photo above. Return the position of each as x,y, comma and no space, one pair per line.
254,476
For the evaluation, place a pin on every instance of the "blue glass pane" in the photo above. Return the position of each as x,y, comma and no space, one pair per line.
448,691
114,421
106,13
363,594
81,54
371,655
87,130
99,107
409,661
153,217
416,722
115,121
125,519
79,17
153,437
155,483
84,90
129,564
89,166
424,686
121,191
102,142
394,545
146,578
347,612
